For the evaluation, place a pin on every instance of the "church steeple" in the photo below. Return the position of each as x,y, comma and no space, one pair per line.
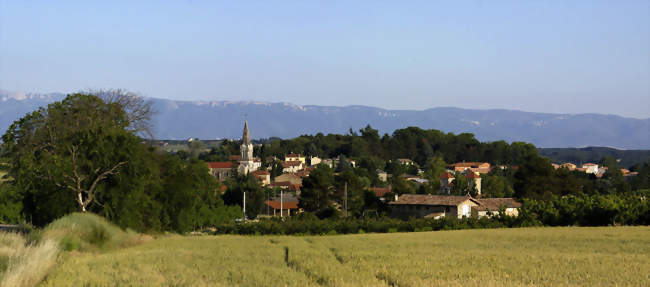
247,162
246,138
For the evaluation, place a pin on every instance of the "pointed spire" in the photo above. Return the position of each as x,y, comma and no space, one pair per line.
246,138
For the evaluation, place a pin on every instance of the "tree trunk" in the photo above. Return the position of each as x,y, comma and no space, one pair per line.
81,202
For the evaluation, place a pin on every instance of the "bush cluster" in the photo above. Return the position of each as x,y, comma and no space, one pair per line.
590,210
298,226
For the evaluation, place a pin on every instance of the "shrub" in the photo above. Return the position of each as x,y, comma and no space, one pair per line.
87,231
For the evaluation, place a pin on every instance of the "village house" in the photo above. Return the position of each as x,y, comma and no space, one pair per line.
336,161
568,166
222,170
405,161
473,177
381,192
304,172
294,157
590,168
263,176
382,175
286,186
480,167
438,206
432,206
333,163
314,160
290,177
328,162
292,166
447,181
490,207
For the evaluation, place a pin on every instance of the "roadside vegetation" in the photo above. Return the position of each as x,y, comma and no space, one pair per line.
549,256
26,258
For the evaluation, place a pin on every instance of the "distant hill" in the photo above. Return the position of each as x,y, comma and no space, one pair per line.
224,119
627,158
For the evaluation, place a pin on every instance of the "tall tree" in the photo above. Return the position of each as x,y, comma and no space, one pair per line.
71,146
317,190
255,195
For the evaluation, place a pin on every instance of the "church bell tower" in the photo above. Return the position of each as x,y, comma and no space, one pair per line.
246,163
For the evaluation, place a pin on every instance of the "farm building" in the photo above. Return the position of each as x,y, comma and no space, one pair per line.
286,206
432,206
437,206
492,205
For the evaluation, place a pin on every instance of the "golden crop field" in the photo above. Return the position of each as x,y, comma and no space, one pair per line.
575,256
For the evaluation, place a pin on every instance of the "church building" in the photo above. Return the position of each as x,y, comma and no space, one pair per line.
247,163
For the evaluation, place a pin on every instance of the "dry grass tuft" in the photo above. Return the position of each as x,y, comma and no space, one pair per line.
25,265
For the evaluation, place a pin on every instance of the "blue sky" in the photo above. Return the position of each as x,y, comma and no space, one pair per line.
544,56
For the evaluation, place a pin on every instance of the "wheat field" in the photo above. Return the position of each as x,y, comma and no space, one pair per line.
569,256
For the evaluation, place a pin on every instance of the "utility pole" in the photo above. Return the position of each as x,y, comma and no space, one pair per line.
267,199
345,192
281,202
244,207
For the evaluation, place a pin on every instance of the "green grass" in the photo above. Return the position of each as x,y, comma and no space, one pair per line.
602,256
2,175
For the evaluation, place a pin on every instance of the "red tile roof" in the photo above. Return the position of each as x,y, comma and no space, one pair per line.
220,164
446,175
303,173
260,172
281,183
285,205
291,163
235,157
380,191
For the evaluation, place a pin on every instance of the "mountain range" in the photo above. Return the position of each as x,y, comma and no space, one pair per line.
224,119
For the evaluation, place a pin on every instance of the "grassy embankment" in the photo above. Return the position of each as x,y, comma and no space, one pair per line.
494,257
26,259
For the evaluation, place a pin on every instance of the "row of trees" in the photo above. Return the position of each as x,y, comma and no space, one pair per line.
413,143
